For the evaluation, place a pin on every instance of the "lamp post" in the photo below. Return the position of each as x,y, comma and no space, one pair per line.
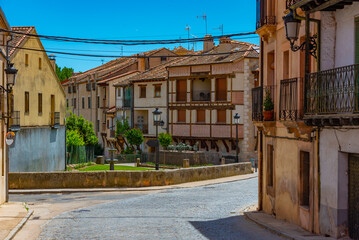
11,73
157,121
236,121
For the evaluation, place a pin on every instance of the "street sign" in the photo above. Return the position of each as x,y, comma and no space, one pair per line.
152,143
10,138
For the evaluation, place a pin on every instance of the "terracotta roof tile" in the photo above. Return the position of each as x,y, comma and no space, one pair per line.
18,39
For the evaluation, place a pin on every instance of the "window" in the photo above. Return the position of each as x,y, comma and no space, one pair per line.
27,102
67,102
83,102
52,103
304,178
40,63
163,59
221,116
98,126
201,116
357,40
74,103
108,124
181,115
26,59
39,106
270,165
119,92
142,91
89,101
98,101
157,90
221,89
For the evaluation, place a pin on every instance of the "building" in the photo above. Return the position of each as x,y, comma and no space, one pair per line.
206,91
93,95
308,153
37,108
4,163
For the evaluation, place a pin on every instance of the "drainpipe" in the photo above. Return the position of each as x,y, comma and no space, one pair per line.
167,104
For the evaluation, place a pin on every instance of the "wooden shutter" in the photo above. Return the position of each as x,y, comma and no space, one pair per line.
181,115
221,116
221,89
304,178
181,88
142,91
40,103
357,40
270,166
27,102
201,116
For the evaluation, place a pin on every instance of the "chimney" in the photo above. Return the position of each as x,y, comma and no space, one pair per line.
208,43
141,62
225,44
53,61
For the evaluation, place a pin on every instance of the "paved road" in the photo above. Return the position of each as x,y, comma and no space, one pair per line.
209,212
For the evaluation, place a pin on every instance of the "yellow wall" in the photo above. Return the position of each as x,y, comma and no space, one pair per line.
34,80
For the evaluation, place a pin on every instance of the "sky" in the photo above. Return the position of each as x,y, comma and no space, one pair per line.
127,20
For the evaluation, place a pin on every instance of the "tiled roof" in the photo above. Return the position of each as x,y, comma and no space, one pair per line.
17,38
236,50
117,76
158,72
125,80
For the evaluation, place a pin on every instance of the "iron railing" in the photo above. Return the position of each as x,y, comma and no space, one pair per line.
143,127
181,96
267,20
257,104
291,99
334,91
201,95
289,3
15,120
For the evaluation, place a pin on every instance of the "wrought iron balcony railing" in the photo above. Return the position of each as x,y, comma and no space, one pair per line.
334,91
291,99
15,120
267,20
201,95
127,103
258,98
257,104
289,3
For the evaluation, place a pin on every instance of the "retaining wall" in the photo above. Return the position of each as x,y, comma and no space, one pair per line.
103,179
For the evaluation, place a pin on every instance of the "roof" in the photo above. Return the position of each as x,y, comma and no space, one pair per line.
19,39
236,50
2,15
125,80
117,76
158,72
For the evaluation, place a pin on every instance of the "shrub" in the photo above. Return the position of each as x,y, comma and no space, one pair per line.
134,137
165,139
83,127
121,127
74,138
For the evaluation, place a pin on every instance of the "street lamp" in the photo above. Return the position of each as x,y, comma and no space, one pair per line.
236,121
157,121
292,25
11,73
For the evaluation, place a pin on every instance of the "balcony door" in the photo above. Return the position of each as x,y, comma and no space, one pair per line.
221,89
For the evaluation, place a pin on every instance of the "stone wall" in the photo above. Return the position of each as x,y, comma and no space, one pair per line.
103,179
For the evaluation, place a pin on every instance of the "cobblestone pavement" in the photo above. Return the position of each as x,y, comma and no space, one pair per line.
209,212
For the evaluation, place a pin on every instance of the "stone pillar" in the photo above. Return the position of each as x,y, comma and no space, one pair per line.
223,161
186,163
138,162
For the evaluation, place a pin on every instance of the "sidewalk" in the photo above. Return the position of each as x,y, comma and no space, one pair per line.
281,227
154,188
12,217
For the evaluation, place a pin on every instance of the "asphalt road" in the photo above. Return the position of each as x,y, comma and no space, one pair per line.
207,212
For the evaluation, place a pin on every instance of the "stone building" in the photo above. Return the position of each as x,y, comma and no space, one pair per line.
37,106
206,91
93,95
308,153
4,163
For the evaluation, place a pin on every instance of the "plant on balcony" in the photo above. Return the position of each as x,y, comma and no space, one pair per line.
268,107
134,138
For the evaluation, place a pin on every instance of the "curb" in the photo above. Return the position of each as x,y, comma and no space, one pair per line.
141,189
13,232
273,230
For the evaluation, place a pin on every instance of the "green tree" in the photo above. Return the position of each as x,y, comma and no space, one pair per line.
74,138
63,73
122,127
83,127
165,139
134,137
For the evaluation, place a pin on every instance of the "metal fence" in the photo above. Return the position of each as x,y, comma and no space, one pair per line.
80,154
291,99
257,103
267,20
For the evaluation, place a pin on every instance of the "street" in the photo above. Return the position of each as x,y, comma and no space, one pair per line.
207,212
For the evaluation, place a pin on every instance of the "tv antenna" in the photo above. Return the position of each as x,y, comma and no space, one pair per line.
220,28
204,17
188,29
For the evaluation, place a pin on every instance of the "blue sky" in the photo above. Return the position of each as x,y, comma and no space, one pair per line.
113,19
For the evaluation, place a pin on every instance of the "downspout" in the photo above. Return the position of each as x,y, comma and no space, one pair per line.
8,126
167,104
260,136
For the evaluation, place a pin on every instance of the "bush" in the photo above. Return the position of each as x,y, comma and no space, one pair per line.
83,127
74,138
129,150
134,137
165,139
121,127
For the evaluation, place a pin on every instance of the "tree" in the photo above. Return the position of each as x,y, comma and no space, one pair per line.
165,139
122,127
83,127
63,73
74,138
134,137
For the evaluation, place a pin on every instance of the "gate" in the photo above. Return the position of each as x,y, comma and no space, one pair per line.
354,196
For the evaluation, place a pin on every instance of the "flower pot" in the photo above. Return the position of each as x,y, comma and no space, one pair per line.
268,115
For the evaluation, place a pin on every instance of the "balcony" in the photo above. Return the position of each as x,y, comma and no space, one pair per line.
55,119
289,3
201,95
267,20
291,99
143,127
258,95
332,97
15,121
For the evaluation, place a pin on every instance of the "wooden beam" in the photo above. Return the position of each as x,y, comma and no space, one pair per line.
226,145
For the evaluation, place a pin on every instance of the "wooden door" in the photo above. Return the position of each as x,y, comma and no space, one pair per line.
221,89
354,196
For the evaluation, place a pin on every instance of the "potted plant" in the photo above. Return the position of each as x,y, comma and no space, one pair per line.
268,107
